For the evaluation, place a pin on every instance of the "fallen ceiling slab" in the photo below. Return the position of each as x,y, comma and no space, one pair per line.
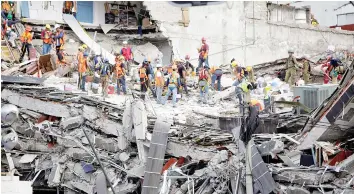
21,80
107,27
84,37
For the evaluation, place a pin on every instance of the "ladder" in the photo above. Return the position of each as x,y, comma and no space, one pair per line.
6,51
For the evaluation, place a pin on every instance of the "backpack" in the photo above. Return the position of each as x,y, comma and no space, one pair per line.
203,75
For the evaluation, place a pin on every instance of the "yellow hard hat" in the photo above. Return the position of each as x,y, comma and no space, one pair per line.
47,26
234,64
84,46
80,48
121,58
248,68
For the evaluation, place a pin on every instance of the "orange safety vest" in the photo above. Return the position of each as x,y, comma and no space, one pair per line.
119,70
47,37
142,72
159,80
82,65
26,37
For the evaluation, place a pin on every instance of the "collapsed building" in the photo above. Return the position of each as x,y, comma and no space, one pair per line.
56,139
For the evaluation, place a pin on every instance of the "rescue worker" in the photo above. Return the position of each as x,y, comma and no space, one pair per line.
85,47
334,69
61,58
244,93
188,65
82,70
26,39
266,99
203,82
203,54
105,74
183,76
250,74
120,73
159,83
127,52
59,38
291,67
173,82
144,71
314,22
46,36
216,73
306,70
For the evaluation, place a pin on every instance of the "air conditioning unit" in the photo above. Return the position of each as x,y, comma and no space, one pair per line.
312,95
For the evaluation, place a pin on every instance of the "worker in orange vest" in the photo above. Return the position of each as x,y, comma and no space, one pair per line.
159,83
26,39
59,38
82,70
46,36
120,73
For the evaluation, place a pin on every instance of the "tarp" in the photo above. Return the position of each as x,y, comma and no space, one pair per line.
84,37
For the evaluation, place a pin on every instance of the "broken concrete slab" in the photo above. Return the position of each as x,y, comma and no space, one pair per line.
304,177
271,147
123,156
107,27
108,144
54,178
128,120
228,93
28,158
144,51
139,120
45,107
71,123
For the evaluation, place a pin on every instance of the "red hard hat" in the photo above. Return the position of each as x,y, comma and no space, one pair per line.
203,39
187,57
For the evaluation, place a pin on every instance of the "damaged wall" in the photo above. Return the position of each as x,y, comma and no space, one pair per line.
231,27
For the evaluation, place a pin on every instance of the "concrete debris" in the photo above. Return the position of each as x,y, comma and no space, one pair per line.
71,123
271,148
297,190
146,51
27,158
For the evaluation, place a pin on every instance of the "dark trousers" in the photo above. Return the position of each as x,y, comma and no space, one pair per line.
140,30
25,46
143,87
57,49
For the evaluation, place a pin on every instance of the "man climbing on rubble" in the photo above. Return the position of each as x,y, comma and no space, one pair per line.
291,67
144,71
59,37
83,66
188,65
183,76
216,73
203,55
173,82
46,36
127,52
249,73
26,39
306,69
61,58
203,82
105,74
159,83
120,73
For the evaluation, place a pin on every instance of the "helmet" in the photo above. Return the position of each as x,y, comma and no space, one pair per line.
125,42
28,28
47,26
248,68
232,60
80,48
85,54
233,64
84,46
158,65
57,26
290,51
187,57
121,58
203,39
145,60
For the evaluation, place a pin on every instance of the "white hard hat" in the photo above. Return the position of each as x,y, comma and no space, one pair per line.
306,56
158,65
291,51
57,26
125,42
